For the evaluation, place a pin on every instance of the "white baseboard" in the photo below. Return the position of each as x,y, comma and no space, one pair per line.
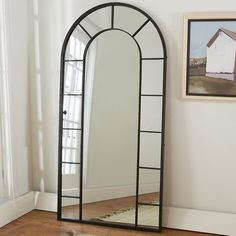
200,221
176,218
45,201
13,209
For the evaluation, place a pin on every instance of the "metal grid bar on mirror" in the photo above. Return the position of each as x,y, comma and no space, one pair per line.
70,208
151,95
140,28
112,16
73,60
69,162
65,196
153,58
148,204
148,131
149,168
86,32
73,94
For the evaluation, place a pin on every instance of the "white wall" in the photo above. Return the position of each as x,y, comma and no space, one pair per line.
19,102
200,148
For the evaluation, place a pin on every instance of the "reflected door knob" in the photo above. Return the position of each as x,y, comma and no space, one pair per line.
64,112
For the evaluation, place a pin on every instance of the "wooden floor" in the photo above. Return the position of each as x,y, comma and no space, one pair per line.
41,223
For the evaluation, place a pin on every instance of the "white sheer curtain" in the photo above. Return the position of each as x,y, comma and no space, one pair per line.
5,139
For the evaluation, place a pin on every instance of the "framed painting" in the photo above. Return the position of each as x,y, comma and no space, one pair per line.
209,66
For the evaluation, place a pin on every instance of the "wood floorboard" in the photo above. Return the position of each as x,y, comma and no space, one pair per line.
42,223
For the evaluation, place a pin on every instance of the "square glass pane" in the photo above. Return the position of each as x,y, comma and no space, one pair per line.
149,186
76,44
150,150
97,21
152,77
150,42
71,141
72,112
73,77
151,114
70,154
70,180
148,216
70,208
128,19
118,210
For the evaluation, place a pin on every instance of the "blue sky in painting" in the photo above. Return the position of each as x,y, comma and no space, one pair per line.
201,33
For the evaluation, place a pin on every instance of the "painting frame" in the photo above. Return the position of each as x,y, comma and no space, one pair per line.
193,74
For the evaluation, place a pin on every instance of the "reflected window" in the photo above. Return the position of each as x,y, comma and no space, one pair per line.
70,151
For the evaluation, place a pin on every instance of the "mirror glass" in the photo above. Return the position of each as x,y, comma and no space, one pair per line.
97,21
151,119
152,77
75,48
151,46
150,150
70,208
128,19
111,137
111,161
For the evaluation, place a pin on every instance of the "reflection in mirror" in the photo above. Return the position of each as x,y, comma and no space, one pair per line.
150,150
149,195
148,216
76,44
149,186
70,180
97,21
109,169
72,112
70,208
73,77
71,145
128,19
149,40
70,190
151,119
152,77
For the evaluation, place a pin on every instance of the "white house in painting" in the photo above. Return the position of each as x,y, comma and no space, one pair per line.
221,55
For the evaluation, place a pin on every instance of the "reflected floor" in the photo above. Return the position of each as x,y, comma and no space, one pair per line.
98,210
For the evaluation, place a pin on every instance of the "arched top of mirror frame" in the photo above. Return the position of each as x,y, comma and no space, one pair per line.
147,21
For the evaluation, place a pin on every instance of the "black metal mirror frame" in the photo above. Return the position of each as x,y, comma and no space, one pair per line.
63,60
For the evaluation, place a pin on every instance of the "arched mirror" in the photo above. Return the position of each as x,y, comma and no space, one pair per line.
112,113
